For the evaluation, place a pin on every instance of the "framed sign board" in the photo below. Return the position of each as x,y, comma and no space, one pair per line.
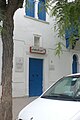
19,64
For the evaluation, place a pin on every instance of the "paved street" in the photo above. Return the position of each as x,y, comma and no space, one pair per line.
19,103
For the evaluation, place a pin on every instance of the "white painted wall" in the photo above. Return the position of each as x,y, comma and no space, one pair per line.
25,28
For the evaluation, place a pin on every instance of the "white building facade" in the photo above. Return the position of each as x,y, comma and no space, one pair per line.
35,65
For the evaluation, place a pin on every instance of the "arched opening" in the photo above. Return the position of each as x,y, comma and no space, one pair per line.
75,64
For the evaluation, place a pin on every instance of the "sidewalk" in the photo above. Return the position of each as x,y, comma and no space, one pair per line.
19,103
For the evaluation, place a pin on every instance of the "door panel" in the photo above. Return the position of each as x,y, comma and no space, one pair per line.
35,76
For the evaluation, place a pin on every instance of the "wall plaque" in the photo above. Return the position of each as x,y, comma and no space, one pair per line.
19,64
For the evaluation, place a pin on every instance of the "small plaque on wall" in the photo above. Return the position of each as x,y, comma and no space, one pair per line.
51,67
19,64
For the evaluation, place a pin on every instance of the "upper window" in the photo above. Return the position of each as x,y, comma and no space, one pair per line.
36,8
36,41
71,32
41,10
30,8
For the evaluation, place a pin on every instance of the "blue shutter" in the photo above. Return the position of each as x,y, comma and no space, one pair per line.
41,10
67,36
30,9
68,33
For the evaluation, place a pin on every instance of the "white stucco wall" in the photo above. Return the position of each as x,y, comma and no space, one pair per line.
24,30
53,66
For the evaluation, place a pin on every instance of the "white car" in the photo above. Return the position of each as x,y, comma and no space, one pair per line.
60,102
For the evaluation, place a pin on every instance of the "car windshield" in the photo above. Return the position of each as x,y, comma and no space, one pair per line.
67,88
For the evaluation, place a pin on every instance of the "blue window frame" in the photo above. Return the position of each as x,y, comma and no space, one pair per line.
30,8
41,10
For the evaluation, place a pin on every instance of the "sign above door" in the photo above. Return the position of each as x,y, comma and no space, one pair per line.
37,50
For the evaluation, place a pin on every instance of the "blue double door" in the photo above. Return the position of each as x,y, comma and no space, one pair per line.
35,76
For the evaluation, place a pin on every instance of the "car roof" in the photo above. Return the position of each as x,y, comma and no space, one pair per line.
76,74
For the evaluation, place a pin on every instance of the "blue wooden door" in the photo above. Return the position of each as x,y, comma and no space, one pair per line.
74,64
35,76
